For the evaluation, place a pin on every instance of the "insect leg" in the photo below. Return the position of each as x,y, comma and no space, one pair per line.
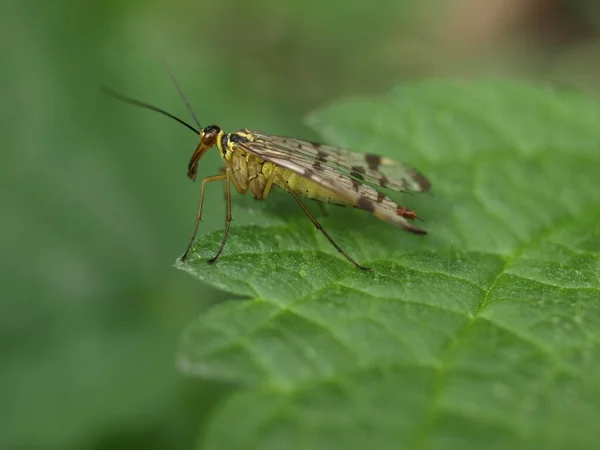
316,223
269,183
199,213
323,210
227,214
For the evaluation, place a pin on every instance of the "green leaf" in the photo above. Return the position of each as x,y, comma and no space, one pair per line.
483,334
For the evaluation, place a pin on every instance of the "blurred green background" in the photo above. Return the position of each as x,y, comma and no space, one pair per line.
96,206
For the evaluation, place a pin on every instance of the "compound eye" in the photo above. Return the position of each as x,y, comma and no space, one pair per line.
209,138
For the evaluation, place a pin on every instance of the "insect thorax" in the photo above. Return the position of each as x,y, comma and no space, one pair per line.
246,168
253,173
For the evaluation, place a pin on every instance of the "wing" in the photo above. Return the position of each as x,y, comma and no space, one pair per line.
360,195
366,167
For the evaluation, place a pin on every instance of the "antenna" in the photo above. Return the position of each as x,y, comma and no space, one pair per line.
181,94
145,105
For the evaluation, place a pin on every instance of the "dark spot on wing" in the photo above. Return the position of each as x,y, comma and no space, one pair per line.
355,184
307,174
358,175
421,181
373,161
321,157
366,204
357,172
383,181
380,196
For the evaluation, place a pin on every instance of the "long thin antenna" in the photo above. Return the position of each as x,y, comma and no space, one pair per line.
131,101
181,94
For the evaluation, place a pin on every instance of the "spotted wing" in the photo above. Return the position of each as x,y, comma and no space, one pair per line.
370,168
360,195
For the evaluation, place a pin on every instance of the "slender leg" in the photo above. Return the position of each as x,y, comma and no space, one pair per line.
323,210
313,220
227,215
224,176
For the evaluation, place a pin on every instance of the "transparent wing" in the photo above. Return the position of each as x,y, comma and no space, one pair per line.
367,167
360,195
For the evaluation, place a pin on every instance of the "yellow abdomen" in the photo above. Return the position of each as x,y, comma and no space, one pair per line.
303,186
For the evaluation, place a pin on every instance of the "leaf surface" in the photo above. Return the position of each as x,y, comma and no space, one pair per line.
483,334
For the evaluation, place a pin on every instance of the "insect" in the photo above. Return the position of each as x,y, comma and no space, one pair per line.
257,162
